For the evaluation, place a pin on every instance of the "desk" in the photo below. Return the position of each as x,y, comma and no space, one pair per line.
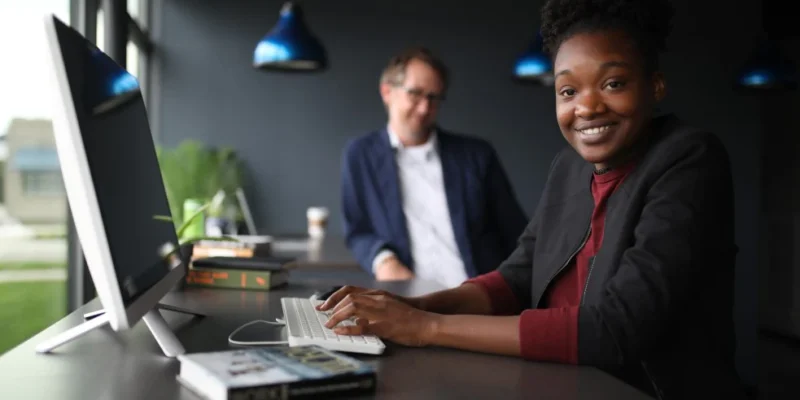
330,252
129,365
329,258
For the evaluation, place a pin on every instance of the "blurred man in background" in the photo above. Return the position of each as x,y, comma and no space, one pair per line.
419,200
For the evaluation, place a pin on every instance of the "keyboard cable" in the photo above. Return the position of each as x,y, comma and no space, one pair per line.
277,322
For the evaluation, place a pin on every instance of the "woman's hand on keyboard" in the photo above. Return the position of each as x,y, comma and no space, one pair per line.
342,293
382,315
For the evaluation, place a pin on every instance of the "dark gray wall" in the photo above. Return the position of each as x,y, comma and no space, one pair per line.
780,281
291,128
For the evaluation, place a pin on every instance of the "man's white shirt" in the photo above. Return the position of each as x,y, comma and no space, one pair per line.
433,243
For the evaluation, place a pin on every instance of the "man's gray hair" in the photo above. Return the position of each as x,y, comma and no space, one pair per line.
395,71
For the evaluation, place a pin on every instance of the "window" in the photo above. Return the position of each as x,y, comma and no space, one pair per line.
135,55
132,59
42,183
135,11
35,168
33,209
33,204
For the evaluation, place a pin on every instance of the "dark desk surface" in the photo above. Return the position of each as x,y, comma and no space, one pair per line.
330,252
129,365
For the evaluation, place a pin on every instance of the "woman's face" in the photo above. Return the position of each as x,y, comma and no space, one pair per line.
604,95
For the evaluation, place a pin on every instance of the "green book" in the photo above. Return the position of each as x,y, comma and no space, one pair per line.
236,278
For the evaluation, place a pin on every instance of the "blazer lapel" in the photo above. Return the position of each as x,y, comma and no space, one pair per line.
454,190
385,167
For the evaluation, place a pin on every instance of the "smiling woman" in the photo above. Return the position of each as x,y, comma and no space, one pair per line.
628,262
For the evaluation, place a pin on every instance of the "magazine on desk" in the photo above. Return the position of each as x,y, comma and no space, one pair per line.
274,373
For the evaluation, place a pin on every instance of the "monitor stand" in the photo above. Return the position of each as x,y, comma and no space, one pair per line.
169,343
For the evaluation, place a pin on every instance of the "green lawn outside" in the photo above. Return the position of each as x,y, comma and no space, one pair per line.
50,235
51,231
26,308
16,265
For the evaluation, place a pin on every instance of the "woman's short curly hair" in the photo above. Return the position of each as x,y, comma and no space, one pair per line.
648,22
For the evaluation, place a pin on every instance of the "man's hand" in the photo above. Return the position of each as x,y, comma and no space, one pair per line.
392,269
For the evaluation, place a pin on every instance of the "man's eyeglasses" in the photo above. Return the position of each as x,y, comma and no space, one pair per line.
417,95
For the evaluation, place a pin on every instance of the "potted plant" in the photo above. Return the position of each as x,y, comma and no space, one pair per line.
185,236
186,239
194,174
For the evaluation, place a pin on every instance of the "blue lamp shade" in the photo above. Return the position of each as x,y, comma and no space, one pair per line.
290,45
534,65
767,69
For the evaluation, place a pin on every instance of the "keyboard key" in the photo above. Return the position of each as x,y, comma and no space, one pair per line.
329,334
294,326
344,338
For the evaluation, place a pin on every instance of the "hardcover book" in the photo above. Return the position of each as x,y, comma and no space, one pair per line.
236,279
275,373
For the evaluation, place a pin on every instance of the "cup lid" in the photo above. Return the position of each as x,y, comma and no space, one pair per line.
317,212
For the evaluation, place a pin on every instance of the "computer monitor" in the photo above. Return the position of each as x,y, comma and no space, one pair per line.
114,187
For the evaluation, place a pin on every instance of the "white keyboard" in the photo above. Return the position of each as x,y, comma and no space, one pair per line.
306,326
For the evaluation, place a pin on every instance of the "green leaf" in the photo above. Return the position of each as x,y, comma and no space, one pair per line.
215,238
162,218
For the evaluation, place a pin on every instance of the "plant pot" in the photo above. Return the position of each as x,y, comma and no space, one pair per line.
196,227
218,226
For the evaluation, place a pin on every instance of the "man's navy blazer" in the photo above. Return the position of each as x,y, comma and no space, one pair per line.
487,219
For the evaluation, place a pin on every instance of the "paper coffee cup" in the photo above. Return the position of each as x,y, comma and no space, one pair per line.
317,221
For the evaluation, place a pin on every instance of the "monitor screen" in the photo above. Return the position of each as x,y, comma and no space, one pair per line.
122,162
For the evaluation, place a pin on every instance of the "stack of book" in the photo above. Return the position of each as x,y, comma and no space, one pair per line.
244,263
